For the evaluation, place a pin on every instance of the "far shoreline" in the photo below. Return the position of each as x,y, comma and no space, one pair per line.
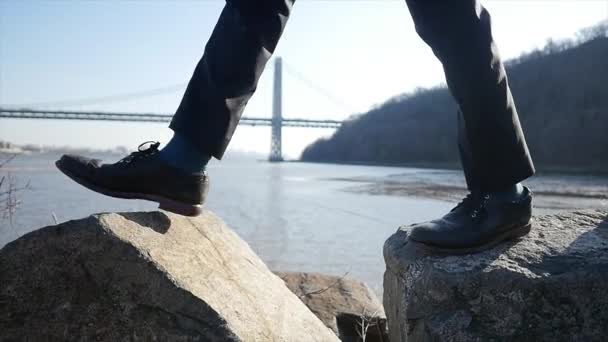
550,170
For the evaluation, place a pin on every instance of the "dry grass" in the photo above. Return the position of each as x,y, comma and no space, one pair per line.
9,190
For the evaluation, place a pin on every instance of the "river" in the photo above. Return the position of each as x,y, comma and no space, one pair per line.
296,216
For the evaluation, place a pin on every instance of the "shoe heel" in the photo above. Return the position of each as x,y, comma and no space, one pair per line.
522,231
181,209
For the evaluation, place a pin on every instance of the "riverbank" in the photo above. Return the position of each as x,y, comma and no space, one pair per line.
551,192
546,170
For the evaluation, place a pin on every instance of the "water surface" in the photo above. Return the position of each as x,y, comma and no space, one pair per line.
296,216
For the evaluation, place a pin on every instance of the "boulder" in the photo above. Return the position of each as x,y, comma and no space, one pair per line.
551,285
344,304
145,276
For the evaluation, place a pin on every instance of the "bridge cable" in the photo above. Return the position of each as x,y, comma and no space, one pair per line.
320,90
172,89
106,99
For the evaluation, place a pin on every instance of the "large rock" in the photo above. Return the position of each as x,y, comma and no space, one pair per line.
550,286
146,276
344,304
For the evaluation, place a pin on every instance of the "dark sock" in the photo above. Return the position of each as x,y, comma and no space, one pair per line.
510,194
181,154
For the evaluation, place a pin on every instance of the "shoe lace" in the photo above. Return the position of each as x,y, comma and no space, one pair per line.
466,202
474,204
480,207
145,149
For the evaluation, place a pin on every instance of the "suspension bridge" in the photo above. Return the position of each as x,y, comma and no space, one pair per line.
276,122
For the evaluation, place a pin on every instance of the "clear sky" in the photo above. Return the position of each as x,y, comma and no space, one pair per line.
361,52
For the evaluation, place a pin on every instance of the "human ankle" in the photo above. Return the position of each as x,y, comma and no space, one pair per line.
182,154
512,192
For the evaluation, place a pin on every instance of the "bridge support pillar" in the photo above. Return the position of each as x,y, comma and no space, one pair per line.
276,154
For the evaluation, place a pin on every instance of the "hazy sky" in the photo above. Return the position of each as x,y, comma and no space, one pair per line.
361,52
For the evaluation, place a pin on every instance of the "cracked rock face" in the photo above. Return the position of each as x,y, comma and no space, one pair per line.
552,285
143,277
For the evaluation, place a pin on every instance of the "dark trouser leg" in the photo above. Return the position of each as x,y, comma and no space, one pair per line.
226,77
492,144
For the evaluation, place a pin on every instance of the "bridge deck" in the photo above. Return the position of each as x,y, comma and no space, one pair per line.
142,117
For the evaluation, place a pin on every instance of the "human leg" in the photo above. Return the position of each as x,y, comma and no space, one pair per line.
225,78
493,150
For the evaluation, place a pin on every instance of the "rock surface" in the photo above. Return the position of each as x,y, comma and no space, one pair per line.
342,303
552,285
146,276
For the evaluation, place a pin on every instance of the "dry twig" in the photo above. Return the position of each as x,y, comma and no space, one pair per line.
366,322
319,291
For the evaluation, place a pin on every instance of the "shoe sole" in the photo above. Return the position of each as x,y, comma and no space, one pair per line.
515,232
163,202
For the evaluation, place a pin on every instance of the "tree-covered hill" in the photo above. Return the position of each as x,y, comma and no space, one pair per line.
561,93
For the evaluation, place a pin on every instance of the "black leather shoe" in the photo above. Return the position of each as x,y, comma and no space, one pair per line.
141,175
475,224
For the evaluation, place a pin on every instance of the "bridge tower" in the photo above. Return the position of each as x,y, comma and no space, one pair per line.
276,154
